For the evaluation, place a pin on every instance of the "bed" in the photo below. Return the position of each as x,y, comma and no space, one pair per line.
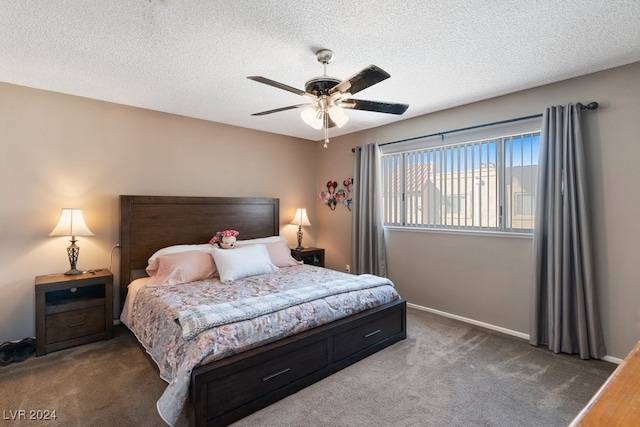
225,390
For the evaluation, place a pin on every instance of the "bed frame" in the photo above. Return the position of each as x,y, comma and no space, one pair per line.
229,389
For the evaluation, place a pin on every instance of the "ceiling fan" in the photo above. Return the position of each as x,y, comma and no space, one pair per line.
330,95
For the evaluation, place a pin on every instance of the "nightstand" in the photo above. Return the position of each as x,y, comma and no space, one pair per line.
73,310
313,256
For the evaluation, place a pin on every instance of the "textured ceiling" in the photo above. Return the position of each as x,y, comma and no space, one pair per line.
191,57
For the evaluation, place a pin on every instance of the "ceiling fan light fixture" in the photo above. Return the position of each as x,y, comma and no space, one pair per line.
331,96
313,117
338,116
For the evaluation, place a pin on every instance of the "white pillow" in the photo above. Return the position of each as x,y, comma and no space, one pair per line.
241,262
152,268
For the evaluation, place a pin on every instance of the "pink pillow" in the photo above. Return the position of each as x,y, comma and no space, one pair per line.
152,267
280,254
183,267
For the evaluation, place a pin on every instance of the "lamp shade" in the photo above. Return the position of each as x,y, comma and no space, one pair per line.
313,117
338,116
301,218
71,223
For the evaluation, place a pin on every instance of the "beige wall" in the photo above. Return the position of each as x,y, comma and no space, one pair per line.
63,151
487,278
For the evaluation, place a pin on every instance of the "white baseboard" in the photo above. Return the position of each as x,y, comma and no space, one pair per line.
473,322
490,326
612,359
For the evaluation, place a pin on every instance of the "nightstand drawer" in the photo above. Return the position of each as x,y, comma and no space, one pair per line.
73,310
75,324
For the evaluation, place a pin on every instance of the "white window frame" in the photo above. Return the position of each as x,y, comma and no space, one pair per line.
403,202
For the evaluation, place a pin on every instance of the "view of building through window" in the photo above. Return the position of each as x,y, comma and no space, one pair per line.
483,185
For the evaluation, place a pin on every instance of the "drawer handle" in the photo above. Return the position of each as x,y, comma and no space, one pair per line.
275,374
370,334
75,325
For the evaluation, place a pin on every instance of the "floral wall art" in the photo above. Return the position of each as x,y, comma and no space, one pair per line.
334,196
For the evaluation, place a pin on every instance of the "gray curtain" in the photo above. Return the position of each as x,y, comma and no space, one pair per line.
564,312
368,234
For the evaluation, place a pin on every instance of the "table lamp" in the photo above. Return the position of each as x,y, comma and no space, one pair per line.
300,219
71,223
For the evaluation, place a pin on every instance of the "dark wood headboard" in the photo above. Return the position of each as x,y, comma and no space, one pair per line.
149,223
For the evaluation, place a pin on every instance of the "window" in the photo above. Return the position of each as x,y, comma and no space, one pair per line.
469,183
456,205
524,204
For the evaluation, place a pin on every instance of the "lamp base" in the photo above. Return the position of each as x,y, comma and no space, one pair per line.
299,238
73,250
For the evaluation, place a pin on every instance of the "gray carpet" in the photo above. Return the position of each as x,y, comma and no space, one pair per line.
106,383
446,373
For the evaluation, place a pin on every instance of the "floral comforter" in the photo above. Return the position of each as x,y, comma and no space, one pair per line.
153,318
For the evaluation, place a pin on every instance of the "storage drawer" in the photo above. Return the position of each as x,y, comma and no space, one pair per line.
366,335
75,324
238,389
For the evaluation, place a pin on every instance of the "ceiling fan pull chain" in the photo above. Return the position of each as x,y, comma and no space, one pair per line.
326,128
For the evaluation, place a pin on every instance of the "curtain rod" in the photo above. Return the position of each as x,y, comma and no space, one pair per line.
590,106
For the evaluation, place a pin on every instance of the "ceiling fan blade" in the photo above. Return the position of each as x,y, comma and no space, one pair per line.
362,80
278,85
277,110
379,107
